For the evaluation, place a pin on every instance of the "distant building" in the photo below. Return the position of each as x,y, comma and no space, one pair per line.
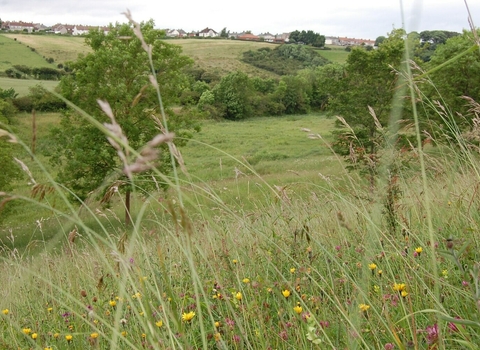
248,37
176,33
19,26
282,38
207,32
267,37
343,41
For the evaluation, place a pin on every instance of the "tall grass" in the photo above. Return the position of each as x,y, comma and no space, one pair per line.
322,267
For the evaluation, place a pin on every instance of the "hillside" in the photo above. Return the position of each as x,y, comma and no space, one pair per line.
12,52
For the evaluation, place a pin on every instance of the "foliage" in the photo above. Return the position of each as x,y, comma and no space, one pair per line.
233,94
429,40
117,71
292,93
284,59
455,80
9,93
307,37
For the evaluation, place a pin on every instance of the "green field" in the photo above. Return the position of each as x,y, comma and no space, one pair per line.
336,54
61,48
22,86
17,53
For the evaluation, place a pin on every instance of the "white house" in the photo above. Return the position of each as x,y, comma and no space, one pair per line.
207,32
20,26
267,37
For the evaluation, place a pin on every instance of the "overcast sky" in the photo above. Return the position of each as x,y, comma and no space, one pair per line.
363,19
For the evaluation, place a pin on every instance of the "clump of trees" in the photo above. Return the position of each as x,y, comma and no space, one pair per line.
308,37
284,59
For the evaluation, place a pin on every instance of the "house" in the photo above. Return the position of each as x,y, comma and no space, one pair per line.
282,38
249,37
19,26
176,33
267,37
80,30
208,32
355,42
332,40
62,28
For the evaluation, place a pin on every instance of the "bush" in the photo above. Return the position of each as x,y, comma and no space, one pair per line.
23,104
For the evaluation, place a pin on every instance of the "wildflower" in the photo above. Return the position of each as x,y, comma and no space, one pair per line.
286,293
246,280
34,336
187,317
238,296
112,303
364,307
159,324
432,334
68,338
376,288
235,261
269,290
217,324
445,273
372,267
283,334
298,309
5,311
48,348
217,336
50,309
142,313
388,346
83,293
124,333
56,335
26,331
404,293
123,321
379,272
292,270
70,327
94,335
236,338
144,335
419,250
399,287
465,284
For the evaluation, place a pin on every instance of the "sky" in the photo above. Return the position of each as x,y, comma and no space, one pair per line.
361,19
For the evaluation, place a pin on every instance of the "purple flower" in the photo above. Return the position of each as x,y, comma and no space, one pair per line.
432,334
388,346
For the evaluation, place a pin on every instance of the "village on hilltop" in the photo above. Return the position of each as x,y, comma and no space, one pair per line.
69,29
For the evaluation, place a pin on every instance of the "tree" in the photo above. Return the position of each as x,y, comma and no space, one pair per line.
457,79
379,40
368,81
117,71
233,96
224,33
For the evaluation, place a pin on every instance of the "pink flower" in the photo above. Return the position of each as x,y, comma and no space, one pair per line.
388,346
283,334
432,334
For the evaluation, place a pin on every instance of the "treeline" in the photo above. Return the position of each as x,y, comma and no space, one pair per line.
39,73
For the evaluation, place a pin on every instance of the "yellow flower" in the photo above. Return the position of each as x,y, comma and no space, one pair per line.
26,331
246,280
238,296
235,261
217,336
187,317
50,309
112,303
286,293
48,348
124,333
298,309
445,273
144,335
399,287
292,270
34,336
376,288
380,273
5,311
404,293
217,324
364,307
94,335
419,250
159,323
56,335
372,266
68,337
142,313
